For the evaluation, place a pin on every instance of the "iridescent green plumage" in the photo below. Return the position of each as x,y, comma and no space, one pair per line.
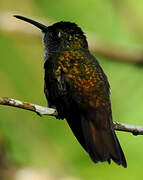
84,100
76,85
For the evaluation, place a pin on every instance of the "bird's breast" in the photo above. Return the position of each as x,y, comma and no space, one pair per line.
84,77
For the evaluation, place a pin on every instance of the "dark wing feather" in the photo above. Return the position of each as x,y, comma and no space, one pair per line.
58,95
92,127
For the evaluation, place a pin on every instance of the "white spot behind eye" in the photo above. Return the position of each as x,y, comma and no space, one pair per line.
59,34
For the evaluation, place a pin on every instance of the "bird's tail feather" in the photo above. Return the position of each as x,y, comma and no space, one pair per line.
102,144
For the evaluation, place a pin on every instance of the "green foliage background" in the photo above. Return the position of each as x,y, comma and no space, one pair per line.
49,143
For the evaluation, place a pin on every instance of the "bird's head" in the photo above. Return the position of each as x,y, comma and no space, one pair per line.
60,36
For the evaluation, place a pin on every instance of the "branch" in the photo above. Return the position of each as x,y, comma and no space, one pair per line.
41,110
135,130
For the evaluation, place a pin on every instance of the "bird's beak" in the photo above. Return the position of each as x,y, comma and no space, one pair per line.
37,24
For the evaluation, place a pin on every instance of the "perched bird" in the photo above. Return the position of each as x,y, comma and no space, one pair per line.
77,87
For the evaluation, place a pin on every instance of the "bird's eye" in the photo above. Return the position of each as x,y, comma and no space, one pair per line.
59,34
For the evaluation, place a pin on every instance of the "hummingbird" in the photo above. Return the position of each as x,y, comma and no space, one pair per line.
76,85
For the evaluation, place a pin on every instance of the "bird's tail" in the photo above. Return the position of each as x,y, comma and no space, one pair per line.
102,143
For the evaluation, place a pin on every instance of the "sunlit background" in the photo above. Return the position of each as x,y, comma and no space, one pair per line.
47,143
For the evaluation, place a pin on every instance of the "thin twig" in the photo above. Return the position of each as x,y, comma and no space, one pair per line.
135,130
41,110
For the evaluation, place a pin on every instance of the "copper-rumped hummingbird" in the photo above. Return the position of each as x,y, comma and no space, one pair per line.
77,86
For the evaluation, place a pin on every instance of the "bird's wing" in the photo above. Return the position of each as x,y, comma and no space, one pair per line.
58,94
82,97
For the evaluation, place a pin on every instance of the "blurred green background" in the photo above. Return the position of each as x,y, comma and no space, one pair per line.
44,141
